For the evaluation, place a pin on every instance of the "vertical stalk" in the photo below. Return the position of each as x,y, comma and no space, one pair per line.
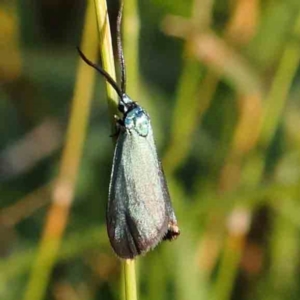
129,279
107,56
108,65
277,96
63,191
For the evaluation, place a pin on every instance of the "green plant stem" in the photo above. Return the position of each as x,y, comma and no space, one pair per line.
280,87
108,65
284,237
227,273
107,56
182,129
129,278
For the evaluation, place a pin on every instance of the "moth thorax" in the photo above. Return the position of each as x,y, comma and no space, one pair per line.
137,120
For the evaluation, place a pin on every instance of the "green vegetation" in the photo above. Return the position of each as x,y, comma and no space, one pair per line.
219,80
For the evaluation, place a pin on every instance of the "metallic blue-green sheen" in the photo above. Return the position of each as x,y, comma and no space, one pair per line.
139,211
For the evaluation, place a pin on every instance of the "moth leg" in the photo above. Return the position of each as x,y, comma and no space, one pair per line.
119,126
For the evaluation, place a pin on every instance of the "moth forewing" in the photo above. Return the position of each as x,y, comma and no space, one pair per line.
135,192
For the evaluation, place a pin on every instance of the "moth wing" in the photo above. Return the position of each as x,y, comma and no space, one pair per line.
137,216
173,229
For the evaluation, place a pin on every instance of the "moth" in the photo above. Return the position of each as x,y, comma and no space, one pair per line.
139,211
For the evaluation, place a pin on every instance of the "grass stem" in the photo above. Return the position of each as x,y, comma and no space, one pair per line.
108,65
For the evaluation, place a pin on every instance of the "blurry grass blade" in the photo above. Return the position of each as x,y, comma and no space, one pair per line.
244,21
10,216
275,26
131,31
278,94
182,128
10,56
73,246
217,55
189,102
25,153
63,191
248,127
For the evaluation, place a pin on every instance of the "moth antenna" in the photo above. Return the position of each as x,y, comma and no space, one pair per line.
110,80
120,50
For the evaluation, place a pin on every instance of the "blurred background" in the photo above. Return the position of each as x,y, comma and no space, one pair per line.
220,81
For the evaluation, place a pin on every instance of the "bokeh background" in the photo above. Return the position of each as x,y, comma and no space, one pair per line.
220,80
